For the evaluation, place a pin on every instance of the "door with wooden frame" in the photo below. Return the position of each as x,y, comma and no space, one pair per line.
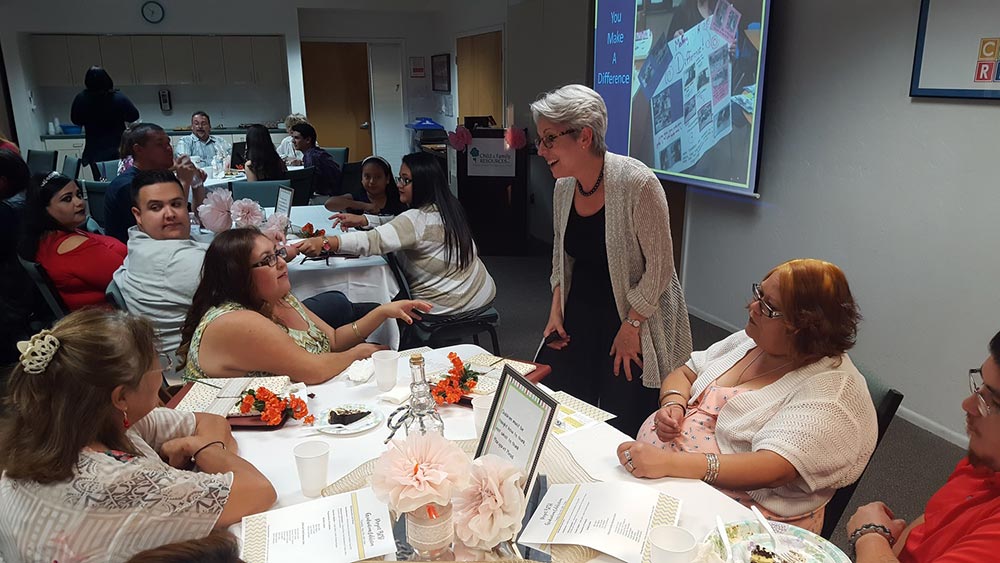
480,76
338,103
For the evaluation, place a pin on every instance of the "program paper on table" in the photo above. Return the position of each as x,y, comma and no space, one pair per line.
337,529
613,518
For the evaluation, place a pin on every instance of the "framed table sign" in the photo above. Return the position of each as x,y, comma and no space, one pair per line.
958,50
284,204
518,423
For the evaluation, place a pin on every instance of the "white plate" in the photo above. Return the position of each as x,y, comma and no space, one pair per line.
807,546
367,423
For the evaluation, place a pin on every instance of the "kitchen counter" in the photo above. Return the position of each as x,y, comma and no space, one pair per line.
171,133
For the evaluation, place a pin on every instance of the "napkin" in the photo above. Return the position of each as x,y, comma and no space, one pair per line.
360,371
397,395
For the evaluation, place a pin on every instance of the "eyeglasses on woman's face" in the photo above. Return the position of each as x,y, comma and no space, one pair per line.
548,140
765,309
271,259
403,180
982,393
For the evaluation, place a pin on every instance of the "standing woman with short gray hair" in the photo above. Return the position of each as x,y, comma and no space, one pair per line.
621,326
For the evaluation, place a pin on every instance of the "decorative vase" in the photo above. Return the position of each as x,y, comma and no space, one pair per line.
430,532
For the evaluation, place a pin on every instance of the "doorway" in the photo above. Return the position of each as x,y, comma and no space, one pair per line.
479,64
335,79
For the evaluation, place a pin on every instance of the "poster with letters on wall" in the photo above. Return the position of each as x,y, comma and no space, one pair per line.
958,50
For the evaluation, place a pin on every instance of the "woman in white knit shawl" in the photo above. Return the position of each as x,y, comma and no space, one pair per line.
775,415
618,322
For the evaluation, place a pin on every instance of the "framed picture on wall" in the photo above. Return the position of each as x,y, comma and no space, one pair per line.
441,73
417,67
958,50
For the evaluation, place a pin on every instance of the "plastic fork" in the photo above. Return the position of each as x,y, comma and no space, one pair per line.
780,554
724,536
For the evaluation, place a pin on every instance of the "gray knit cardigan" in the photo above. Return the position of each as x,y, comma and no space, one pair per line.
640,259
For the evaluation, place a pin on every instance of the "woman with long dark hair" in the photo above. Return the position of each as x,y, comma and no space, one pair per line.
79,263
103,112
432,241
263,162
379,203
244,318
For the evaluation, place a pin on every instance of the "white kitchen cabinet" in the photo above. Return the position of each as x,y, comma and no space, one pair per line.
84,52
51,60
269,60
209,64
65,147
116,57
147,56
178,59
239,60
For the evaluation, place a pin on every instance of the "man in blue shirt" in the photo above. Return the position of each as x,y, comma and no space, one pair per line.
201,145
327,172
149,147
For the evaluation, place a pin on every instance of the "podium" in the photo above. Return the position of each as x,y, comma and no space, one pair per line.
493,189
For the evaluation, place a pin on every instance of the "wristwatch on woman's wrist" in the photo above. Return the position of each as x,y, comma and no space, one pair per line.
632,322
326,244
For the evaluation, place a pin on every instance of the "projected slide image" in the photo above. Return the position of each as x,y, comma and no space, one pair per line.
661,110
689,75
703,79
704,116
671,155
722,118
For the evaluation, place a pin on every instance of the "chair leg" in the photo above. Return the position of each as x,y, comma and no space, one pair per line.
496,341
475,339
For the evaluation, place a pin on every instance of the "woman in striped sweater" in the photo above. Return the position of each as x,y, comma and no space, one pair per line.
432,241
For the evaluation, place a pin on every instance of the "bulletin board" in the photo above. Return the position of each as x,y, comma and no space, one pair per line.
958,50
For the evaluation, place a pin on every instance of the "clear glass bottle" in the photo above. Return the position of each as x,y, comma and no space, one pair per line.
423,417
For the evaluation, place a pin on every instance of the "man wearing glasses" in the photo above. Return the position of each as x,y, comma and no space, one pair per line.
961,522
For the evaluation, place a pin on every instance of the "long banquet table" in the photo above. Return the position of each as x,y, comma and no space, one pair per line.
593,448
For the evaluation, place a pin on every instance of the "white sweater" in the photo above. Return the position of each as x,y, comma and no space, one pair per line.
820,418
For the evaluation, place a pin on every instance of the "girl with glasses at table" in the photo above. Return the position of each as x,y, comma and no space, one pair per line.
379,202
775,415
432,241
244,319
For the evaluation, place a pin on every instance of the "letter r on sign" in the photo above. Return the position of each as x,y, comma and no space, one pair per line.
984,71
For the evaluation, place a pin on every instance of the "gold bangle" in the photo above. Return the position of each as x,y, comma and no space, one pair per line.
354,326
670,392
712,471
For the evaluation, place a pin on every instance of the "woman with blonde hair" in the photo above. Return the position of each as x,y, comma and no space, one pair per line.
776,415
91,468
287,150
621,326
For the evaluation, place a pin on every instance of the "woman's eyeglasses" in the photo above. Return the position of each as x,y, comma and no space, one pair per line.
271,259
548,140
765,309
976,384
403,181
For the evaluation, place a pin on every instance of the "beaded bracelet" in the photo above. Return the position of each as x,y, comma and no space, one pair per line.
712,472
870,528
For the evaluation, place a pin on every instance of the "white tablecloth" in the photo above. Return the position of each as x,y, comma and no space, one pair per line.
593,448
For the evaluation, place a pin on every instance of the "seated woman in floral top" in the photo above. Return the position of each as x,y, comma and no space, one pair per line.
91,469
244,318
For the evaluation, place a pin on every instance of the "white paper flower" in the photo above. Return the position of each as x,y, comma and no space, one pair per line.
490,509
419,470
215,213
247,213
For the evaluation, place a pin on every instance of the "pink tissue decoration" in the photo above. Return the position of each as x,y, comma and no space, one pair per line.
419,470
275,226
215,211
247,213
490,509
515,138
460,138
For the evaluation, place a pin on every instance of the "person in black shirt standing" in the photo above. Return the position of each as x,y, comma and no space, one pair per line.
103,112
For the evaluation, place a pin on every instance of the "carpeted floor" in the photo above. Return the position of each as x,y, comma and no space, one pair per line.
909,465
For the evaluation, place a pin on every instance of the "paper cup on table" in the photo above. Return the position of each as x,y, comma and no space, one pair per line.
311,460
386,363
481,411
671,544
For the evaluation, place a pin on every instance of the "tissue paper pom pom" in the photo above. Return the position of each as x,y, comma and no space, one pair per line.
215,213
247,213
490,509
421,469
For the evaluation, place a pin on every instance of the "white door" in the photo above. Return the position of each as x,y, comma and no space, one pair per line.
116,56
147,54
389,138
84,52
178,59
209,65
269,60
239,60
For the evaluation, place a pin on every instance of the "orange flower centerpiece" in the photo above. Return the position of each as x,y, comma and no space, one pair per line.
460,381
309,231
272,408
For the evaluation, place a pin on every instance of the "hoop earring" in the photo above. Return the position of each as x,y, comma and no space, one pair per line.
125,421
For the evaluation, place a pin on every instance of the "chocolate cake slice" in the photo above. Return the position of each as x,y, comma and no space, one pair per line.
347,416
760,554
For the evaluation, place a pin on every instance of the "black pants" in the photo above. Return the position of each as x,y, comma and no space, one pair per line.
336,309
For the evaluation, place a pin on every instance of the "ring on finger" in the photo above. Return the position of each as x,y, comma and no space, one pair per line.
630,467
628,456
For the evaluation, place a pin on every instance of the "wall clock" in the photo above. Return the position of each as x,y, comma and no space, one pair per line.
152,11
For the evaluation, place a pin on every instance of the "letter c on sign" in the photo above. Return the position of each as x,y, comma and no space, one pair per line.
989,48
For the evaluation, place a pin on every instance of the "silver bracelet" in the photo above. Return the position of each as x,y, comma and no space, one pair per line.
870,528
712,472
672,403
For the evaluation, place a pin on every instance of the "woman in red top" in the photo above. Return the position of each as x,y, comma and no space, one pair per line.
80,263
7,144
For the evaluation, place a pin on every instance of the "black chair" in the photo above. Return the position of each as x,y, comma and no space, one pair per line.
108,170
71,167
439,330
114,296
302,185
340,155
42,162
94,193
264,192
45,287
887,401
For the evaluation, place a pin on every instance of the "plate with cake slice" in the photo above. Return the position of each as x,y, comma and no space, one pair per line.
751,544
349,418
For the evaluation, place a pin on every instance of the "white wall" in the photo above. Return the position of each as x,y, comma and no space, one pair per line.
900,192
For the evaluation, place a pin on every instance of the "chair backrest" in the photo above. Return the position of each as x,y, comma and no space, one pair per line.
71,167
264,192
339,155
302,184
46,288
397,272
42,162
887,401
94,193
91,226
108,169
114,296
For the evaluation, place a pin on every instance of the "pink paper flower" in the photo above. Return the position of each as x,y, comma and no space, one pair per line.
215,212
419,470
275,227
490,509
460,138
514,138
247,213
